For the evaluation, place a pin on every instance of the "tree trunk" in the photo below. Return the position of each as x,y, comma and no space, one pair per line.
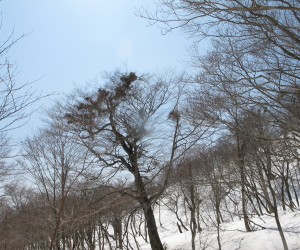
241,155
264,187
154,238
145,202
287,187
117,225
269,168
192,207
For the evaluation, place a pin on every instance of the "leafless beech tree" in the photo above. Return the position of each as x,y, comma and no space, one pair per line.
265,20
57,163
224,100
134,127
16,102
263,37
22,221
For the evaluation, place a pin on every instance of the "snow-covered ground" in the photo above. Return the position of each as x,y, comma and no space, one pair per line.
232,234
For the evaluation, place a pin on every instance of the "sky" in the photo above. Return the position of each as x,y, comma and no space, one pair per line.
71,42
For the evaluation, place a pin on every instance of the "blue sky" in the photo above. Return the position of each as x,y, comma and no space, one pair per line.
72,42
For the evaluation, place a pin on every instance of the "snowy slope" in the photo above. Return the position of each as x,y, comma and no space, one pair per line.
233,235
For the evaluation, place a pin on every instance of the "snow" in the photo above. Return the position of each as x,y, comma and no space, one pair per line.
232,234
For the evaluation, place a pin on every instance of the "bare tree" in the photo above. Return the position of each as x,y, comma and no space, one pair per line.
16,104
56,162
22,220
265,34
264,20
127,127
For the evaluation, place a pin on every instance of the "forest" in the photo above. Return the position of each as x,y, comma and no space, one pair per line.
214,145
